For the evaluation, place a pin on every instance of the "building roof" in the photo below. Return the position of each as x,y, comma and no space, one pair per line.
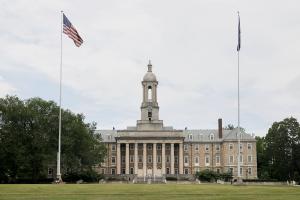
196,135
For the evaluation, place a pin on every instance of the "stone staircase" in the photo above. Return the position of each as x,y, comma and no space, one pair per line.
150,180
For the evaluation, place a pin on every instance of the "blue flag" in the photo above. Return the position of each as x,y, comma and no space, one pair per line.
239,35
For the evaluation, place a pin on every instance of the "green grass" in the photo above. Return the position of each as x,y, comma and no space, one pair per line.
155,192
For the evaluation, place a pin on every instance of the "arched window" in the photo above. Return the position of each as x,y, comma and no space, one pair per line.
149,93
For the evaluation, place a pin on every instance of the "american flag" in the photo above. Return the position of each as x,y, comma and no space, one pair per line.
71,31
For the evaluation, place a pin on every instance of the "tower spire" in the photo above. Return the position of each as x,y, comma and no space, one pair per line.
149,66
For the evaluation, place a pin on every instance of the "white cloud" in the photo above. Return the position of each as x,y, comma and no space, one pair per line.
6,88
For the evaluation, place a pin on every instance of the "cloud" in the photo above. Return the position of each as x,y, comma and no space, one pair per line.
6,88
192,47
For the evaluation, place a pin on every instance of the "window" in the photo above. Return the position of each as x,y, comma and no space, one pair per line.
149,146
211,136
186,159
149,93
250,171
186,171
167,159
217,147
230,146
167,147
113,160
241,158
185,147
131,146
218,160
196,147
241,171
149,158
158,147
190,137
113,171
123,159
196,160
218,170
158,159
149,115
50,171
206,147
206,160
113,147
140,159
249,146
249,159
140,146
241,147
231,159
176,170
123,171
176,159
168,170
131,170
131,158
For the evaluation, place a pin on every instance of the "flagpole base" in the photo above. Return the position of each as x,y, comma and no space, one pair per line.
58,180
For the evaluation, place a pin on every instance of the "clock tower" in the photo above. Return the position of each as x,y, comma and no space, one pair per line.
149,108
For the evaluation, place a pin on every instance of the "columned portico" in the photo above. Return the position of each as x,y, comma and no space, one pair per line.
136,158
163,158
127,159
118,158
144,159
180,158
154,159
172,158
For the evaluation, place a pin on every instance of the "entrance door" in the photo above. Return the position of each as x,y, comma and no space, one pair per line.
149,172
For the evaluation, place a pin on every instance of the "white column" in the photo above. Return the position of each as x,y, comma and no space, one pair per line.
145,159
136,158
154,159
163,158
127,159
180,158
118,158
172,158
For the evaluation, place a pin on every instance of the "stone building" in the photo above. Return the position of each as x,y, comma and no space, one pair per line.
151,149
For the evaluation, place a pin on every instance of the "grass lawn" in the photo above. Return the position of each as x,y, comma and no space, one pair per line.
155,192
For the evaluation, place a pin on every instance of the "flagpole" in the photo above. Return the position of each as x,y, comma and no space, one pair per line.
239,132
58,174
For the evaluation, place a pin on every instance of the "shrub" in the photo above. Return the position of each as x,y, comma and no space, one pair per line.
212,176
171,178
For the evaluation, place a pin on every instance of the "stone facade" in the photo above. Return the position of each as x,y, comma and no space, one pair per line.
150,149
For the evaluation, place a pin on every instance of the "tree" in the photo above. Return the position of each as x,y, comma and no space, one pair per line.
283,149
231,127
29,135
262,160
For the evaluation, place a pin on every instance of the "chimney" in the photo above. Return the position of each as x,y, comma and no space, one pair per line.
220,128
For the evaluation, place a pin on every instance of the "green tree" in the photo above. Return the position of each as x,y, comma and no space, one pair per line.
231,127
283,150
262,160
29,137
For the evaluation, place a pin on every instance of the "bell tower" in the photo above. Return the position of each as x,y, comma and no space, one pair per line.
149,107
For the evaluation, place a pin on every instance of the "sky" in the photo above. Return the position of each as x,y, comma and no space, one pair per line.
192,47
